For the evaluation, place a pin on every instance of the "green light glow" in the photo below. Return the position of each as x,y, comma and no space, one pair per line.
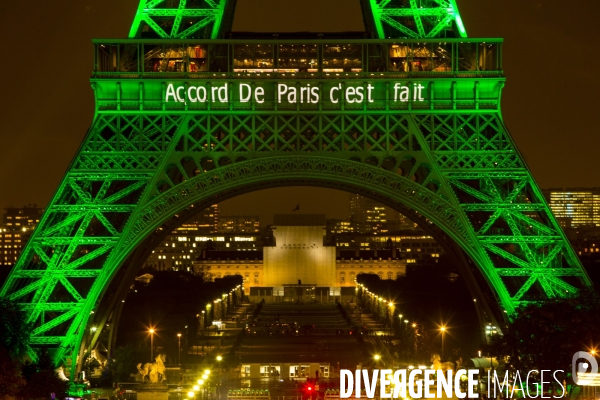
166,23
459,23
447,161
432,18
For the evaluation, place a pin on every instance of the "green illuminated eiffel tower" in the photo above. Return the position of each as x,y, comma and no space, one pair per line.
185,119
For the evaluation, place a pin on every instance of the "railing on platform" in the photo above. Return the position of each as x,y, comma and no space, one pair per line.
297,59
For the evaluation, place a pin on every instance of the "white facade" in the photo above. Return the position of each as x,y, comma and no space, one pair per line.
299,254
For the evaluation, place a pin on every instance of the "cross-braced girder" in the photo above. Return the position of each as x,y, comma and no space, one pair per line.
178,19
416,19
461,171
447,157
188,19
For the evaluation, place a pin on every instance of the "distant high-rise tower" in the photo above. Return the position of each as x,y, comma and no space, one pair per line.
15,230
206,222
366,215
398,222
25,217
577,207
239,224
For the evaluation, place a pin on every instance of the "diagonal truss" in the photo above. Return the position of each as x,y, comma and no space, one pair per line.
416,19
460,171
181,19
453,166
186,19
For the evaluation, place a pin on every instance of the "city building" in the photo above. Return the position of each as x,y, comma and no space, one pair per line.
239,224
397,222
12,242
366,215
336,226
206,222
370,217
575,207
17,226
586,243
299,264
179,249
26,217
414,247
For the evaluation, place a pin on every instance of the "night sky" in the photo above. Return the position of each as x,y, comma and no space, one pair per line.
550,104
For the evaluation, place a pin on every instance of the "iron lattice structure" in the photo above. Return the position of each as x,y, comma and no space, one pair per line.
158,150
181,19
415,19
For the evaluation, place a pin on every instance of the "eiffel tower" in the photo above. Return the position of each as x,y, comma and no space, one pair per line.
189,114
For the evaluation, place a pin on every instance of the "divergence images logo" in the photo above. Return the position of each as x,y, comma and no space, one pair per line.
581,368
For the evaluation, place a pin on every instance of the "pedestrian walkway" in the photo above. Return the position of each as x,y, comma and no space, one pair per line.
317,316
287,333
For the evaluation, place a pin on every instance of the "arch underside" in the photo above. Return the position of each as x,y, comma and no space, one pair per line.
458,172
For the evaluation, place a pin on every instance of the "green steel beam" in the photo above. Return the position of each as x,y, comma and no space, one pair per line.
398,22
154,16
452,162
418,19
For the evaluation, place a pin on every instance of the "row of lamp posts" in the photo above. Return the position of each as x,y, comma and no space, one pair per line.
221,308
386,310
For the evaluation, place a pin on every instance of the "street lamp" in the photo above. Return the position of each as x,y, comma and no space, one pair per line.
377,357
191,395
151,343
179,346
443,330
416,328
219,358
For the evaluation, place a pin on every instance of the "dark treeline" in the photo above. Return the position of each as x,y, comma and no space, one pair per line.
432,296
170,304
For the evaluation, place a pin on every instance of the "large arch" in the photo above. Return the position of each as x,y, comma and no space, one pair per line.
397,192
441,153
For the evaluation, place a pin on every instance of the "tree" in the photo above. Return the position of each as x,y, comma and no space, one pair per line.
15,332
124,362
547,335
14,344
90,364
11,380
42,379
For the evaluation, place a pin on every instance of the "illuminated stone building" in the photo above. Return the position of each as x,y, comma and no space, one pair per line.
300,264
